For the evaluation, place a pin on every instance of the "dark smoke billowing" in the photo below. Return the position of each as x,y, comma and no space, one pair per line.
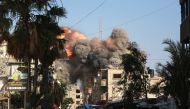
90,55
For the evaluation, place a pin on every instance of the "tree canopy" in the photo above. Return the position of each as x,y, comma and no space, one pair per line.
135,78
29,26
176,72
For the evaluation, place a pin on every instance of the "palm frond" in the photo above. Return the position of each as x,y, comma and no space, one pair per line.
57,11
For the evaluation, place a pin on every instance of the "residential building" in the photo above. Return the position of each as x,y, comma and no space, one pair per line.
7,67
156,81
185,22
75,93
105,86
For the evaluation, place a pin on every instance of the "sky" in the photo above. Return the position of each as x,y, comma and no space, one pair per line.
147,22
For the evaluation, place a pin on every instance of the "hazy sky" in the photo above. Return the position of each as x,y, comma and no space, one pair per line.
148,22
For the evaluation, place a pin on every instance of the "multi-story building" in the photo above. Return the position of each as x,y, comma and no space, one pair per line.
105,86
75,93
185,22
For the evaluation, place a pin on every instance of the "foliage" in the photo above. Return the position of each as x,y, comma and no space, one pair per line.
176,72
30,28
58,92
135,78
66,102
17,99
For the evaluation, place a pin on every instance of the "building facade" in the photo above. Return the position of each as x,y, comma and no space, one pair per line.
185,25
105,87
74,92
185,22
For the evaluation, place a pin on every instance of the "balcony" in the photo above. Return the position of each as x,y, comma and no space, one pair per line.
104,82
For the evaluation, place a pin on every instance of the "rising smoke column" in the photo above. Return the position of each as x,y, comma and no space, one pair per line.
117,44
88,56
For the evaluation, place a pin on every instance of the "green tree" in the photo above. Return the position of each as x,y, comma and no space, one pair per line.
30,28
176,73
135,79
17,99
66,102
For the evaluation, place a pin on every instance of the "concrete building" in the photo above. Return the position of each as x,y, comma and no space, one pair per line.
7,67
153,82
185,22
104,85
76,94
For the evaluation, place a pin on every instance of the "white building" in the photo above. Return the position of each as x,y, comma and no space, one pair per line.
104,85
75,93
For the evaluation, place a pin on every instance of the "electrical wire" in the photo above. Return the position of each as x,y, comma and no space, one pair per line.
140,17
80,20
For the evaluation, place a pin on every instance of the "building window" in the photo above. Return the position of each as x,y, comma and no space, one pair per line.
104,75
77,102
116,76
77,91
77,96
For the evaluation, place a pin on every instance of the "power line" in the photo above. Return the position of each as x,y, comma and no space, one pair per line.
79,21
142,16
157,59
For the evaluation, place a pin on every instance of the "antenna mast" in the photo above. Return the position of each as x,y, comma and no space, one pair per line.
100,29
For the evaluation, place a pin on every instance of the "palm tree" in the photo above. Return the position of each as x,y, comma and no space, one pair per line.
176,73
30,28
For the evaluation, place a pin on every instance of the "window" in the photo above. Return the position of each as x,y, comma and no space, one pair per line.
77,91
77,102
104,75
77,96
116,76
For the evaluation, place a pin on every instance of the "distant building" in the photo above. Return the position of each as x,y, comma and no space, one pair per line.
156,81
